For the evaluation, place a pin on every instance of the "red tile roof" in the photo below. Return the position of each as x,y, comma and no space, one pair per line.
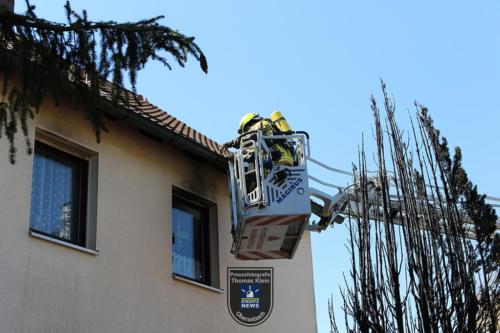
142,107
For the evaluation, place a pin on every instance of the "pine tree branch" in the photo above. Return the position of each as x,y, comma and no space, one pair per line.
42,56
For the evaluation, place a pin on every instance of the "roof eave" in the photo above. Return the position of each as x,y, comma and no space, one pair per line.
169,136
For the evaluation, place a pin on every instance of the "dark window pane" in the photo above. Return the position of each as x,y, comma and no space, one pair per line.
189,248
58,193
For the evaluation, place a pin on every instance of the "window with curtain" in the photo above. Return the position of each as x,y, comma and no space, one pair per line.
190,257
58,195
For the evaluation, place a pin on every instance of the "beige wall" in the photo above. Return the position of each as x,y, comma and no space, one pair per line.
128,287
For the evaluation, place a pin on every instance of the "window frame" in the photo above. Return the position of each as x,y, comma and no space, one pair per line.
211,247
88,180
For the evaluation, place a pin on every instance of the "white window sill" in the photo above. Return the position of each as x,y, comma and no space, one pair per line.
198,284
61,242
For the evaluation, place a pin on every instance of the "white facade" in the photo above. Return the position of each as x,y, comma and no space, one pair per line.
128,286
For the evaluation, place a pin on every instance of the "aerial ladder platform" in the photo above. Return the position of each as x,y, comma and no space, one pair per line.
272,206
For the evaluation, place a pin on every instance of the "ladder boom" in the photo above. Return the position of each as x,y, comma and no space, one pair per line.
272,204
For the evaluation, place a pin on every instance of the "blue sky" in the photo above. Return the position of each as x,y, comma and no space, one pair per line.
318,62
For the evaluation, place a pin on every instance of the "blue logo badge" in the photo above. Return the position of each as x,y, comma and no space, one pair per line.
250,296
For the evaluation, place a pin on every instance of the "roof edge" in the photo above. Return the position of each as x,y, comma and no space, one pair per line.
168,136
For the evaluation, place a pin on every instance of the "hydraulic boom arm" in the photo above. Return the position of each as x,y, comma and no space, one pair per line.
273,204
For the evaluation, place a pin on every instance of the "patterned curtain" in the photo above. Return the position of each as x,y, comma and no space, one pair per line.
187,256
52,206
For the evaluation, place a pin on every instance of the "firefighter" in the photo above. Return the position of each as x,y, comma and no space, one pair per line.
280,150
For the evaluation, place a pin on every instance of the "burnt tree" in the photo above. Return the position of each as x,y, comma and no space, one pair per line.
431,265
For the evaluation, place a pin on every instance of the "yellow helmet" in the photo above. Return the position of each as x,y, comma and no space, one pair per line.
247,120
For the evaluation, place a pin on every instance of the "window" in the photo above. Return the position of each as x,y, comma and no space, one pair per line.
194,238
190,241
61,186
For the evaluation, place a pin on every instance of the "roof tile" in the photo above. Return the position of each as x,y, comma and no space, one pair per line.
142,107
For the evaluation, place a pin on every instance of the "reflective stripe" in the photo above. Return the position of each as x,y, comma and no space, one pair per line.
286,156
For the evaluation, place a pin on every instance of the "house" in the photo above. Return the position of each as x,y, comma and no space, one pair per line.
128,235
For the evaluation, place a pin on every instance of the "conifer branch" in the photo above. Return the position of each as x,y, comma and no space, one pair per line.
38,59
